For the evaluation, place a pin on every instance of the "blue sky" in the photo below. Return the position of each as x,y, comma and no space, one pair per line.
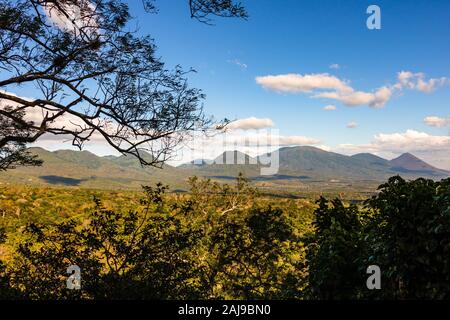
305,38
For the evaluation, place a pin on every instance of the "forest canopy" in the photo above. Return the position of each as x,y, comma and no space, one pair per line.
225,242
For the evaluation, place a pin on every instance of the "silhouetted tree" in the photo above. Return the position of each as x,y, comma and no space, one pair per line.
92,77
409,238
203,9
14,153
404,229
334,251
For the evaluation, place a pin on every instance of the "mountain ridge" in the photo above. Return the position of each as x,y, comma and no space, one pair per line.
297,166
321,164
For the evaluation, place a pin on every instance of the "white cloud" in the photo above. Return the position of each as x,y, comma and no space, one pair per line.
411,140
417,81
264,137
329,107
376,99
251,123
238,63
408,141
251,142
328,86
433,149
324,147
297,140
37,114
434,121
334,66
352,125
74,17
295,83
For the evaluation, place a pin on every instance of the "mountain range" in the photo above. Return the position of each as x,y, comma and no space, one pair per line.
297,166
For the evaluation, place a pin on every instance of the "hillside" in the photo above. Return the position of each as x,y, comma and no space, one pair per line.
310,164
299,168
85,169
319,164
410,163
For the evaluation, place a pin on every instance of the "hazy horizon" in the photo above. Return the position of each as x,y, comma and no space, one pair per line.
181,162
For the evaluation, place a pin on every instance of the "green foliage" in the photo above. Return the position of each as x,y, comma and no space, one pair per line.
255,257
6,292
409,238
333,251
229,242
404,229
131,255
216,242
21,205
